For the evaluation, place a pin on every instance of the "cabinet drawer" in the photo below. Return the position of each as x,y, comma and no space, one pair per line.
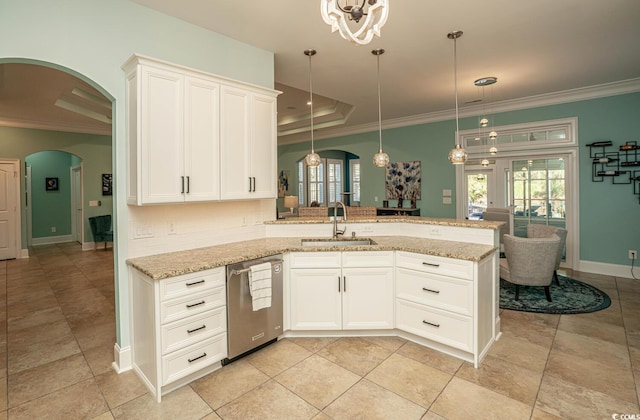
437,325
315,259
193,358
193,329
447,293
434,264
191,283
367,259
175,309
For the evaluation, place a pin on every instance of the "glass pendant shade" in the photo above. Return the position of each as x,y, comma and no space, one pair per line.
457,155
493,135
312,159
484,122
485,162
380,159
493,150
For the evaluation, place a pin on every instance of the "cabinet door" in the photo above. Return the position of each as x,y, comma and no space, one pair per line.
316,299
263,146
367,298
202,140
162,136
234,144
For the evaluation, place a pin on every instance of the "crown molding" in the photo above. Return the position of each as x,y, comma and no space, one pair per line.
573,95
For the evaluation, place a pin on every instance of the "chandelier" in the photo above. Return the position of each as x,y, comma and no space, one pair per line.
338,14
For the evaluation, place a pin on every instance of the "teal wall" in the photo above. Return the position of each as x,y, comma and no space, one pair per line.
609,213
50,208
92,39
93,151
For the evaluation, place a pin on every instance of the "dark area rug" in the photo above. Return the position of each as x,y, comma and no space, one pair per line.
570,297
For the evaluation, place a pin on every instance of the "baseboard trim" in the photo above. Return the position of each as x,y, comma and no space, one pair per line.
24,253
616,270
121,358
91,246
52,240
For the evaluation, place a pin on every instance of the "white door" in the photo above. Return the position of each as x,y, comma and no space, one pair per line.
77,226
367,298
9,221
316,299
480,185
264,146
202,140
235,148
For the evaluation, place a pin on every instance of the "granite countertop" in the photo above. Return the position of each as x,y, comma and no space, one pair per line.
479,224
182,262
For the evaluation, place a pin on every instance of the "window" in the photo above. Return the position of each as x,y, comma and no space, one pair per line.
334,181
323,184
354,164
315,183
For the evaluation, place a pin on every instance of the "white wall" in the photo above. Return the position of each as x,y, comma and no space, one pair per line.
92,39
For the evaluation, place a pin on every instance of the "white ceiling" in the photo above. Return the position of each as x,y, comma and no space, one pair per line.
532,47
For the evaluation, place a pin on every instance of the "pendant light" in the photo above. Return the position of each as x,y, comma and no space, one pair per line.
380,159
482,82
312,159
457,155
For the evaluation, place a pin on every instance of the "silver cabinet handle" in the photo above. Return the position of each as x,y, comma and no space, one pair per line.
197,329
431,323
430,264
196,358
431,290
195,304
193,283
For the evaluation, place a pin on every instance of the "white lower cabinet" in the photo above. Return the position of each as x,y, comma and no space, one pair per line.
447,301
178,327
341,290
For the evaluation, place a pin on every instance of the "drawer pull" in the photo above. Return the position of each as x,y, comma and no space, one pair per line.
430,264
197,329
196,358
430,290
431,323
195,304
195,282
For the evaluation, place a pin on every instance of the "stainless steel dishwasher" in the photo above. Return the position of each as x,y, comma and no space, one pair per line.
249,330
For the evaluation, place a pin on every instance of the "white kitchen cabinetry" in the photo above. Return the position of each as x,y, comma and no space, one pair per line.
173,134
174,131
178,327
446,301
341,290
248,146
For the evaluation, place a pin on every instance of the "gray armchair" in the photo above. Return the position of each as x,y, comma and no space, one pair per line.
529,262
543,231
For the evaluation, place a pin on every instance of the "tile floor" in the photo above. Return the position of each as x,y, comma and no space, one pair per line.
58,331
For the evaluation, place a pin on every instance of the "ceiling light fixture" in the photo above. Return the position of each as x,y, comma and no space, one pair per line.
339,15
380,159
482,82
312,159
457,155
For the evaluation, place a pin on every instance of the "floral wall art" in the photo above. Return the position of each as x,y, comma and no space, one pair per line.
403,180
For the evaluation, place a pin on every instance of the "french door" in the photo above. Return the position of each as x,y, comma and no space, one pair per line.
538,188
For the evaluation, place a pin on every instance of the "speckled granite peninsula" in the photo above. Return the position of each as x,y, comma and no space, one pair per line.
182,262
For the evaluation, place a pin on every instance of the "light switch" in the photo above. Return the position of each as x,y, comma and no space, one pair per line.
446,193
446,200
93,203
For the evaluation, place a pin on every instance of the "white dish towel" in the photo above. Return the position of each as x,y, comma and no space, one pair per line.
260,285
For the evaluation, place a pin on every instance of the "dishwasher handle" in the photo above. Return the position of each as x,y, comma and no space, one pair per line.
246,270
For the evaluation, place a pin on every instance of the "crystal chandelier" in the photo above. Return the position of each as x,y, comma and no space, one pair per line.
380,159
457,155
312,159
338,14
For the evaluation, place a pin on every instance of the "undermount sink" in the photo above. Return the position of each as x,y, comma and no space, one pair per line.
337,242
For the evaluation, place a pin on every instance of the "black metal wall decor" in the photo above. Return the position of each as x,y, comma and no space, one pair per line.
616,165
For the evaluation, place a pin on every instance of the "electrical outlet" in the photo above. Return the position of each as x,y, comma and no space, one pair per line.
53,230
633,254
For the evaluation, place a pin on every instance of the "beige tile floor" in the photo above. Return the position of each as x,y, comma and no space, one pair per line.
58,331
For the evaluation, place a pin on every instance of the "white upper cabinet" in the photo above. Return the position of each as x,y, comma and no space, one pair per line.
174,131
248,144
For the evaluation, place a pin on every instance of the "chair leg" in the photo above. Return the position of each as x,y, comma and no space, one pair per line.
517,291
547,293
555,277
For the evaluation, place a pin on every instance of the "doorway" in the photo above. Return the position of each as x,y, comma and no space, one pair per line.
77,225
9,205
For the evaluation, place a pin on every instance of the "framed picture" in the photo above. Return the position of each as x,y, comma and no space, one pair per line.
51,184
283,183
107,182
